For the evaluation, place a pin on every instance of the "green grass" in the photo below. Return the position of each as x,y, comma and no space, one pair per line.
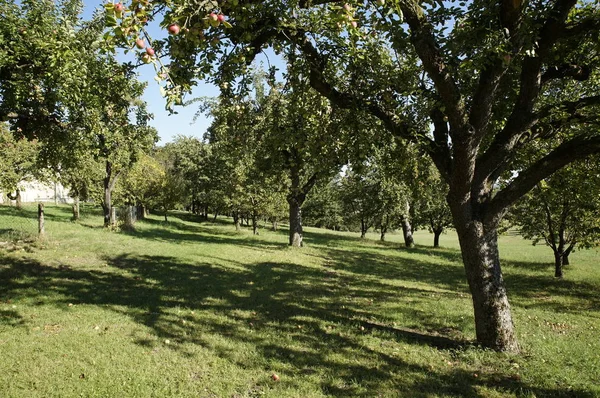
190,309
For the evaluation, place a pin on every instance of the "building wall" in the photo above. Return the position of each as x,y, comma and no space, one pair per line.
35,191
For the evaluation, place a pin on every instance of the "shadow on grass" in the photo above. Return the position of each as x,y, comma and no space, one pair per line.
267,305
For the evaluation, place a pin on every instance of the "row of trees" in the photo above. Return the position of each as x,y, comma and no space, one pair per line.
497,95
474,84
74,113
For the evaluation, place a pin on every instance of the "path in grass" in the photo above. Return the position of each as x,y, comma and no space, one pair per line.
200,310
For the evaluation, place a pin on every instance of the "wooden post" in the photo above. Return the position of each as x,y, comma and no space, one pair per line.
41,229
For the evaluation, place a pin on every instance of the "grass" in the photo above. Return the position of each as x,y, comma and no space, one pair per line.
190,309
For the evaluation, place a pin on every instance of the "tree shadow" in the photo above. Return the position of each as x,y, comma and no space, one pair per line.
281,303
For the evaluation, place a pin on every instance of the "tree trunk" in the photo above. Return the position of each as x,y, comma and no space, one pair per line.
384,227
254,224
275,225
493,321
363,229
141,211
409,241
567,253
166,219
41,227
558,264
108,184
76,208
18,199
436,236
295,222
236,220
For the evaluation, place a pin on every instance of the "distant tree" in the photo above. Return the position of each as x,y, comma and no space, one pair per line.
18,163
323,207
563,211
359,196
492,78
431,208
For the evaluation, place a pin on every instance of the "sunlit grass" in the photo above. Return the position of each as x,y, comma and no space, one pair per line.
196,309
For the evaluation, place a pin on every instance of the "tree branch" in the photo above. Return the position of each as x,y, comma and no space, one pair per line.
423,40
575,149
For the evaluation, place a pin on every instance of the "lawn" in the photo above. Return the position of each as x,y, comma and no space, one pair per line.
196,309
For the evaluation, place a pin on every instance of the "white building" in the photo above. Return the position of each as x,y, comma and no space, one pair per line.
36,191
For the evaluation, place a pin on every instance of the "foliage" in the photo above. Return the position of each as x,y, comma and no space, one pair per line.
562,210
18,159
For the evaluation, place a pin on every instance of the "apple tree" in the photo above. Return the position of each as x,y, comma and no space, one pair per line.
491,78
562,211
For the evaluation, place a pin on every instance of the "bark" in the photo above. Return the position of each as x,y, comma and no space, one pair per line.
236,220
409,241
76,208
215,217
363,228
18,199
383,231
129,216
436,237
254,224
567,253
41,228
295,222
166,218
558,264
108,184
275,225
493,321
141,211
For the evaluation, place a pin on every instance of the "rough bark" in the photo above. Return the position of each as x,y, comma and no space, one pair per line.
558,264
254,224
567,253
382,235
363,228
108,185
409,241
436,237
76,208
295,222
18,199
41,227
236,220
493,321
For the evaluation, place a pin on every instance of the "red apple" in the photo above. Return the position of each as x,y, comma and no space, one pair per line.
275,377
119,7
140,43
221,18
173,29
150,51
354,24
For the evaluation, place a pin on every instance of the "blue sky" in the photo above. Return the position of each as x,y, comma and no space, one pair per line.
168,126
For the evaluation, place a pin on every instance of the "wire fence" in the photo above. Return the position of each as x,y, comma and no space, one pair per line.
18,226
